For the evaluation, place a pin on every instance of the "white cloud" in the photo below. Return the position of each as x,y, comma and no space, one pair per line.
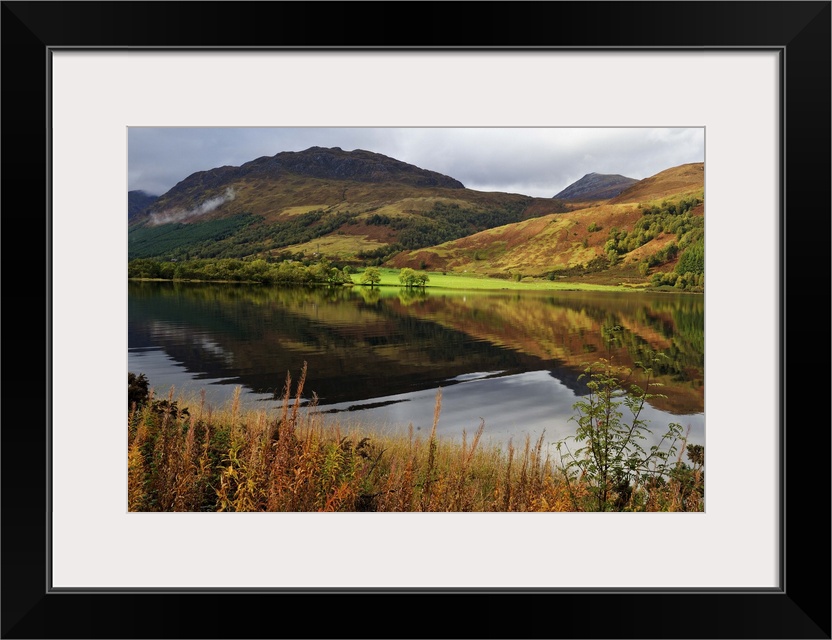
534,161
179,215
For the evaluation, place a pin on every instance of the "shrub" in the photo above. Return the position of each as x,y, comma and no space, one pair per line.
609,456
138,390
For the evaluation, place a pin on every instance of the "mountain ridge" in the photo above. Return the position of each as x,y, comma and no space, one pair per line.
315,162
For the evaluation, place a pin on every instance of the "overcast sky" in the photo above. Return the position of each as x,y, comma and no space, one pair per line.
532,161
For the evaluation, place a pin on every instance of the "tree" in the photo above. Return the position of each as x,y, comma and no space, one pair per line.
335,276
371,276
407,277
693,259
609,456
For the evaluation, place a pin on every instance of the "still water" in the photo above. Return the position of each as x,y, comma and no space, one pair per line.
512,360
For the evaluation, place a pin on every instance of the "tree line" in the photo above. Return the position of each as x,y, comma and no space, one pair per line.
288,272
233,270
670,218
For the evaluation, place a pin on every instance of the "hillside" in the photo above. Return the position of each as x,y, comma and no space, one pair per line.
138,202
352,206
334,164
596,186
362,208
652,223
685,179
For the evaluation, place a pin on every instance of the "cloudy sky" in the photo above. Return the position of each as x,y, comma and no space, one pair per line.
532,161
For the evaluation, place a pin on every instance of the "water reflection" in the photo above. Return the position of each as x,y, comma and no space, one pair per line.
513,359
517,406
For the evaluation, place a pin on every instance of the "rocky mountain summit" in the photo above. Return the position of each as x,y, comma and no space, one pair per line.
596,186
359,165
319,162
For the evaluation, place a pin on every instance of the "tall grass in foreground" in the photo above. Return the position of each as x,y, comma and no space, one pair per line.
198,459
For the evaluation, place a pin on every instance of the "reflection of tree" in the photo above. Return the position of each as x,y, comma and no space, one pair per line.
565,328
409,296
689,325
683,326
370,296
395,328
611,332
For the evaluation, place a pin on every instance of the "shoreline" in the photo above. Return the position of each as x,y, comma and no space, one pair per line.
470,284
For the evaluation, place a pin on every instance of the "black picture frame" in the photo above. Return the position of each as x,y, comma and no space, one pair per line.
799,31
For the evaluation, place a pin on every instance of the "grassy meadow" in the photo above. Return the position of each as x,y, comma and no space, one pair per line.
438,280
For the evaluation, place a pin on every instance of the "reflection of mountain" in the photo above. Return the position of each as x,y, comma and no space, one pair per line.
575,328
354,350
359,347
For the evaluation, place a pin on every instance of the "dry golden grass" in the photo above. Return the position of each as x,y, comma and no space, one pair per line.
198,459
337,244
683,180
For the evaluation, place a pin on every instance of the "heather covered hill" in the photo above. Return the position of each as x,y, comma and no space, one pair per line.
644,230
686,179
348,205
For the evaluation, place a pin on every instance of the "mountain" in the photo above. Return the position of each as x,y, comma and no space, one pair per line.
596,186
604,242
349,205
363,208
316,162
138,202
682,179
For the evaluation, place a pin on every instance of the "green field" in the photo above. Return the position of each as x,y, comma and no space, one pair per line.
438,280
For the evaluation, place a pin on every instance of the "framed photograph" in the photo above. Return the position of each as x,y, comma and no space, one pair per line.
752,78
430,323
